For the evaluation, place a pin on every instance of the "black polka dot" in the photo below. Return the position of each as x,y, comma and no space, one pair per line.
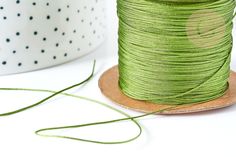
62,37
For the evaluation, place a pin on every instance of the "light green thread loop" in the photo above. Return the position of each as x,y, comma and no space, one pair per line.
61,92
41,132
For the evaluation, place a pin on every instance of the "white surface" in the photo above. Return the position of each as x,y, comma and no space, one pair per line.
204,134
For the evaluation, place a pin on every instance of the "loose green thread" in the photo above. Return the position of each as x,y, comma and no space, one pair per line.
170,98
62,92
51,96
40,131
175,53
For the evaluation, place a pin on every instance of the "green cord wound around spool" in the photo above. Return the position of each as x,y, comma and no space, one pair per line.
174,53
164,49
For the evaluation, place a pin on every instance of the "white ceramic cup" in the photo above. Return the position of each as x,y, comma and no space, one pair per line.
36,34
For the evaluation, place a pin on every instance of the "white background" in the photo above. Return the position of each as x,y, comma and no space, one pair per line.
203,134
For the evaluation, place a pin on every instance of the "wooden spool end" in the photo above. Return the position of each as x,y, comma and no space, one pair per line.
108,84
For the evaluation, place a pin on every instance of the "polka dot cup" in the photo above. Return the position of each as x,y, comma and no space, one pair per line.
36,34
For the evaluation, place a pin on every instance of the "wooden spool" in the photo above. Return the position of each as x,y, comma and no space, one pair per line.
108,84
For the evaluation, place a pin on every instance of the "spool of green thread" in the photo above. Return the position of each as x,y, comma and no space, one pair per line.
175,52
229,6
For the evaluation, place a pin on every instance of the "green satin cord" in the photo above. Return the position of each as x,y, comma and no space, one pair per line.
175,53
41,132
62,92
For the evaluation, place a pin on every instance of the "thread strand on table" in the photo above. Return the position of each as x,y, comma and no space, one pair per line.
41,132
